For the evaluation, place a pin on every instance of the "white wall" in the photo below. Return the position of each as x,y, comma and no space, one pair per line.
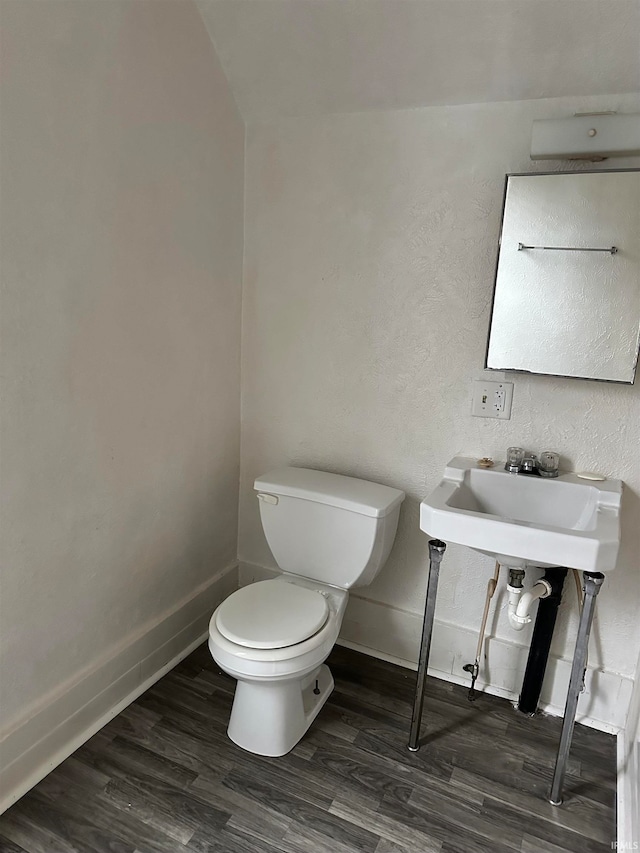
122,209
369,263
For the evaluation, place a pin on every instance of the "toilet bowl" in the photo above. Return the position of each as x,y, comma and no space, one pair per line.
277,697
328,533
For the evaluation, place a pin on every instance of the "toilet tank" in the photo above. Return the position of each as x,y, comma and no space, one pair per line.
327,527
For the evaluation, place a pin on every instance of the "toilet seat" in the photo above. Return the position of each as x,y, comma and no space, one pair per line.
271,615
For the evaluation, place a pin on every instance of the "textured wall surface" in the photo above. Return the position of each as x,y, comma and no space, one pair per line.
122,188
369,261
312,57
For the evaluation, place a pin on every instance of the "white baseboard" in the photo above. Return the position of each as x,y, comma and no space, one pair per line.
628,811
392,634
48,734
629,775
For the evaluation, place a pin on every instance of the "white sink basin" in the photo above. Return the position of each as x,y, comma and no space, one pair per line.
526,520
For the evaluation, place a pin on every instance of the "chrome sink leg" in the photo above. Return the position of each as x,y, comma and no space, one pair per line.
436,550
592,583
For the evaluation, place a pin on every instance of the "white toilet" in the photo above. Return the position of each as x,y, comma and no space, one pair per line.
327,533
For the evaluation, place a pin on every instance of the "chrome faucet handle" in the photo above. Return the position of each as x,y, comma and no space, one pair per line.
515,455
549,464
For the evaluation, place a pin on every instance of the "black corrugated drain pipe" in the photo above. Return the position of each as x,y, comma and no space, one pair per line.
541,642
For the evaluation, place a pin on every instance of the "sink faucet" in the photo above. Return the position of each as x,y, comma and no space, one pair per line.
519,462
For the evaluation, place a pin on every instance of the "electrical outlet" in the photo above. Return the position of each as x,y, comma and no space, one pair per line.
492,399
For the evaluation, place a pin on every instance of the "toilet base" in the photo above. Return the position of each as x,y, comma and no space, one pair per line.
270,717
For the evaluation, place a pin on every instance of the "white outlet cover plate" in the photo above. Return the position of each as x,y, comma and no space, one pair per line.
492,399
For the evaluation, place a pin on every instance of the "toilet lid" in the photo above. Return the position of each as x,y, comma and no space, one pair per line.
271,615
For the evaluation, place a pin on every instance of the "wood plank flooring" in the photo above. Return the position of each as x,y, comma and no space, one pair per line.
162,777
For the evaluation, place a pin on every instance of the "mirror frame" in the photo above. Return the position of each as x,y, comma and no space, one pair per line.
495,282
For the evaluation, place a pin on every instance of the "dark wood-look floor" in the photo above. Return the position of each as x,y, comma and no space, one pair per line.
162,777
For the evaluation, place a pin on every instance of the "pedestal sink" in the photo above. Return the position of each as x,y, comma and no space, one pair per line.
522,520
525,520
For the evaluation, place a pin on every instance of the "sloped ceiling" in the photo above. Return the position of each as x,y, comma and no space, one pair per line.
307,57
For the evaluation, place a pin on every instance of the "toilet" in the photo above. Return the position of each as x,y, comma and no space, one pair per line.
327,533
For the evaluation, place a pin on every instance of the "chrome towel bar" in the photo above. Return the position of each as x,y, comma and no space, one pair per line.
612,250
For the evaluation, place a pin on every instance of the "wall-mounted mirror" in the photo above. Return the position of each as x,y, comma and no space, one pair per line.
567,291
